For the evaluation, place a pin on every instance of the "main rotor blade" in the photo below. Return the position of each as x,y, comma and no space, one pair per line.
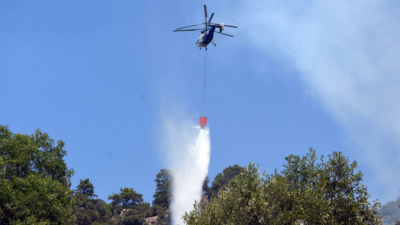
205,14
224,34
211,18
187,30
230,26
190,26
224,25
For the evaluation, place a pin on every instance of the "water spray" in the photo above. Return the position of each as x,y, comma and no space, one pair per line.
189,175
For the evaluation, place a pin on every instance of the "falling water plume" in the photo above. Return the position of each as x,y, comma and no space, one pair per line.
188,158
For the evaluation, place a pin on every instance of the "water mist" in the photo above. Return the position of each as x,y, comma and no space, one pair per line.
188,158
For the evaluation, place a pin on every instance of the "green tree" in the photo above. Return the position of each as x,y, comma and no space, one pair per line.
129,208
87,210
136,215
34,179
126,199
86,187
206,188
236,205
162,213
222,179
84,210
162,196
306,191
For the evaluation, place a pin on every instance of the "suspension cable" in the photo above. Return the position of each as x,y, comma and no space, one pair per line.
203,104
205,68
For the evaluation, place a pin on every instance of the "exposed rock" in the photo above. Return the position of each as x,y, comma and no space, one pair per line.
151,220
158,220
123,212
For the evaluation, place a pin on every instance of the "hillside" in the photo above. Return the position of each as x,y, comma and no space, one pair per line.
390,212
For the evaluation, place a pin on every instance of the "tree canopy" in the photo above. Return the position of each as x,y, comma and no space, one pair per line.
129,208
305,192
162,195
85,187
35,189
206,188
87,210
222,179
34,179
126,199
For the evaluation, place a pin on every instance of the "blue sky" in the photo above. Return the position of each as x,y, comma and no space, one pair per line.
99,75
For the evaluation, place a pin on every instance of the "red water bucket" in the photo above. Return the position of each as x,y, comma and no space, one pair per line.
203,121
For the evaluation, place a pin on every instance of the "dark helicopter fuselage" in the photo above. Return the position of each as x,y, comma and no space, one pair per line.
206,37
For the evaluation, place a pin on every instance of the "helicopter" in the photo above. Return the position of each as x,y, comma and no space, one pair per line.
207,33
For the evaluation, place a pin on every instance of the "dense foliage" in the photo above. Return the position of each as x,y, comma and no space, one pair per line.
222,179
206,188
35,189
126,207
87,210
162,196
130,207
34,179
305,192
